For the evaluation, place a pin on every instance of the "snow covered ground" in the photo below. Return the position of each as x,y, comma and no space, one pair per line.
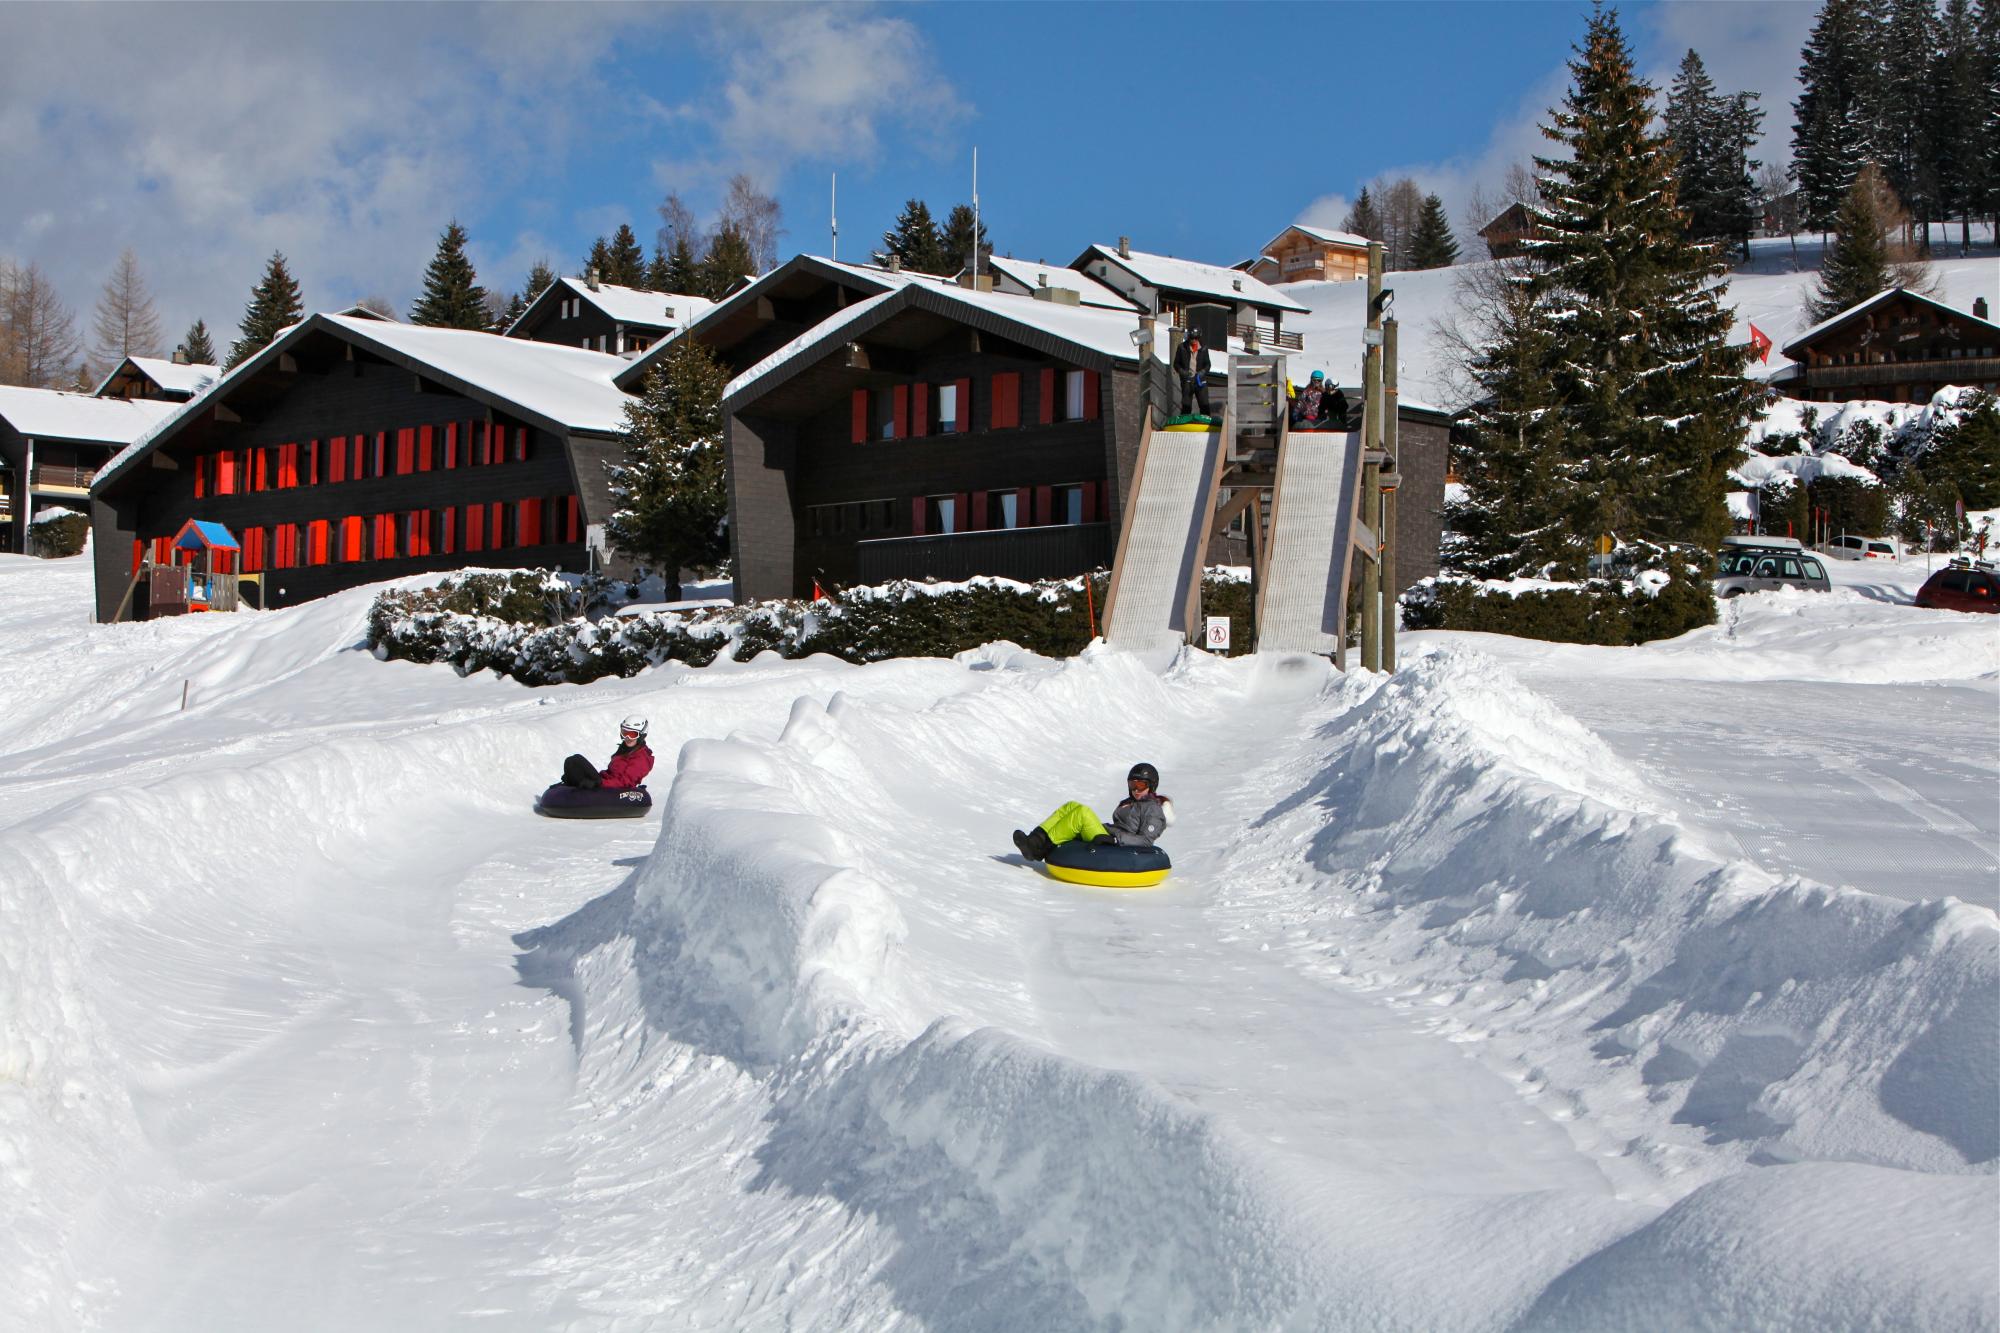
1533,987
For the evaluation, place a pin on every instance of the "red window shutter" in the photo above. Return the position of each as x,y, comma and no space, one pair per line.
449,537
163,550
1090,378
917,508
261,459
200,475
1090,489
920,410
138,554
531,521
424,449
357,457
312,464
964,407
902,412
1047,407
336,459
406,451
962,510
225,474
1045,497
860,401
1006,393
573,520
978,523
475,528
496,525
316,541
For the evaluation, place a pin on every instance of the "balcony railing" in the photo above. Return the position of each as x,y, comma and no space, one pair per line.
1270,338
1050,552
1946,370
51,477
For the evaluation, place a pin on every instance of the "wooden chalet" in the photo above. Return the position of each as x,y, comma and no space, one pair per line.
583,312
1168,286
1316,254
1898,346
154,377
1505,233
352,450
52,445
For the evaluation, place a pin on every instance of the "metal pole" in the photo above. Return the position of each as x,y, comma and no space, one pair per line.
975,217
1391,589
833,214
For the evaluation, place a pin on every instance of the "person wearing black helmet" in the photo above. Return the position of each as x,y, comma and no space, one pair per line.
1138,821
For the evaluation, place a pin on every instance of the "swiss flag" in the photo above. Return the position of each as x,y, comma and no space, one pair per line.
1761,341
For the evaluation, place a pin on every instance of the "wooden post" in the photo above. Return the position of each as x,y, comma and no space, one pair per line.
1371,573
1371,444
1391,401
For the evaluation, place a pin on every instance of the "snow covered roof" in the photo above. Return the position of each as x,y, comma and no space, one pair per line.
1088,329
52,414
172,376
563,389
1190,276
1878,299
625,305
1089,290
1326,234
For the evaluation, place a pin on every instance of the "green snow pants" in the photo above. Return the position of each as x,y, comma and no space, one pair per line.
1072,821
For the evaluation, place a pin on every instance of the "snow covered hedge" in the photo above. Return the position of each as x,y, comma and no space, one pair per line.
1667,595
529,624
56,533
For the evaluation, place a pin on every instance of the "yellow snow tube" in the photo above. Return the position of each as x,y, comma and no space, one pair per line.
1193,426
1101,866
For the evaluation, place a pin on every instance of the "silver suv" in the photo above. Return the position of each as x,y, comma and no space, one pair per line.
1759,564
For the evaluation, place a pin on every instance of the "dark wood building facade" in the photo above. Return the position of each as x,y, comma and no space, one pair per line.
168,381
1899,347
52,445
600,317
352,451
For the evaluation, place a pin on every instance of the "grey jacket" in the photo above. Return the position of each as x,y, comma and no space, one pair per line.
1139,823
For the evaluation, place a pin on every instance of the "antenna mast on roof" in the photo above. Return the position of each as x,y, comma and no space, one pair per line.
833,214
975,217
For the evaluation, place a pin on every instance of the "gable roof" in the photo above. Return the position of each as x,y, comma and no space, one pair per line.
1880,298
1191,276
1061,330
623,305
172,376
1327,234
567,390
54,414
1089,291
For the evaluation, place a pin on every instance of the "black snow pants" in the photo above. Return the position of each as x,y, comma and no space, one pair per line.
580,772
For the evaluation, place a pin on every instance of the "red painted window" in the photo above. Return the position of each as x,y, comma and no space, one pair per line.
225,474
284,546
385,536
1090,395
336,459
417,532
260,469
1006,393
288,466
253,550
353,538
475,528
1046,409
316,541
406,451
978,523
424,449
860,401
530,522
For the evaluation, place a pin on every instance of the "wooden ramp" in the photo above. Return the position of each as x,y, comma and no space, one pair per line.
1302,598
1155,595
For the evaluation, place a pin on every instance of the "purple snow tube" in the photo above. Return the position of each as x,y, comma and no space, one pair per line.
561,802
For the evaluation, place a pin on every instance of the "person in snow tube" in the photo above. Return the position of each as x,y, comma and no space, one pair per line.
1138,821
628,767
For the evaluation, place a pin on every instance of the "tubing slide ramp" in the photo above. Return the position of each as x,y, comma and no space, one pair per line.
1155,597
1302,598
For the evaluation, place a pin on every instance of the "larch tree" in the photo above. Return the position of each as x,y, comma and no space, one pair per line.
914,242
38,339
197,346
275,304
1833,130
125,324
452,297
1433,245
670,490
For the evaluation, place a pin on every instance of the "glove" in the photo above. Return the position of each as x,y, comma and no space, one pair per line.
1104,840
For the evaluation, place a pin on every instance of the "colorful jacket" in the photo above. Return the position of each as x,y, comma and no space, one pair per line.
1139,822
628,767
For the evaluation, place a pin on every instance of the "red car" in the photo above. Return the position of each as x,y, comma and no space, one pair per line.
1962,588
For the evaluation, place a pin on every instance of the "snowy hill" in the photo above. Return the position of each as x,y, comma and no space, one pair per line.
1769,291
1508,992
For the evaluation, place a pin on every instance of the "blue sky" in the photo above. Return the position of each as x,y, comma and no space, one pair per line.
346,135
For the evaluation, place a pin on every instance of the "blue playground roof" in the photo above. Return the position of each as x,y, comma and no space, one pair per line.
198,533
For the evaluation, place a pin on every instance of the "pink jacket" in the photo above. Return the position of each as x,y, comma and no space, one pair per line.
628,767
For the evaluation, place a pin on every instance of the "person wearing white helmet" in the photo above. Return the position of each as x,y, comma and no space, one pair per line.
629,765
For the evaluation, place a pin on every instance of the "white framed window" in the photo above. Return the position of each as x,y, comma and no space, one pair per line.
941,516
1068,504
1003,509
947,409
1073,381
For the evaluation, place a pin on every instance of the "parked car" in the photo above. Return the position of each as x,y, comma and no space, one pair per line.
1962,586
1759,564
1847,546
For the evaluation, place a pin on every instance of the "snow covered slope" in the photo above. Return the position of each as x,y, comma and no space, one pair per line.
1458,1011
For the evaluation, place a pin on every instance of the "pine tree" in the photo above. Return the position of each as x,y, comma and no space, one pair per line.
671,489
1959,76
1651,398
683,270
914,241
540,278
1362,219
197,347
957,240
126,323
1904,114
1832,133
1857,264
1433,246
453,298
274,305
1711,135
628,259
658,270
728,262
598,262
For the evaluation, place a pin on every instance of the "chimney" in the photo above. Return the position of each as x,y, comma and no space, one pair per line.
895,263
1056,295
1041,279
1124,247
590,278
181,353
1237,283
1979,307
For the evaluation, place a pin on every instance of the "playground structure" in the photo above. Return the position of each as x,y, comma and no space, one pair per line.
201,574
1311,500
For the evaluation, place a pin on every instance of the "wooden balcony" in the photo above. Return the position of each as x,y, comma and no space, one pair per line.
1947,370
50,477
1053,551
1257,335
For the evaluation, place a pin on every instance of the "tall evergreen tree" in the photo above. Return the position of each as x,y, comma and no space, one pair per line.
598,261
728,261
628,259
1711,135
657,270
1858,263
274,305
125,323
1363,219
1904,110
1433,246
452,298
197,346
540,278
1959,154
914,241
683,269
957,239
671,488
1832,134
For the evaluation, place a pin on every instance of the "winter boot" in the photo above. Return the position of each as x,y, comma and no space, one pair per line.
1034,844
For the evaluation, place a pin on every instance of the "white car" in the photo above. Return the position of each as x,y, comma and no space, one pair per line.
1849,547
